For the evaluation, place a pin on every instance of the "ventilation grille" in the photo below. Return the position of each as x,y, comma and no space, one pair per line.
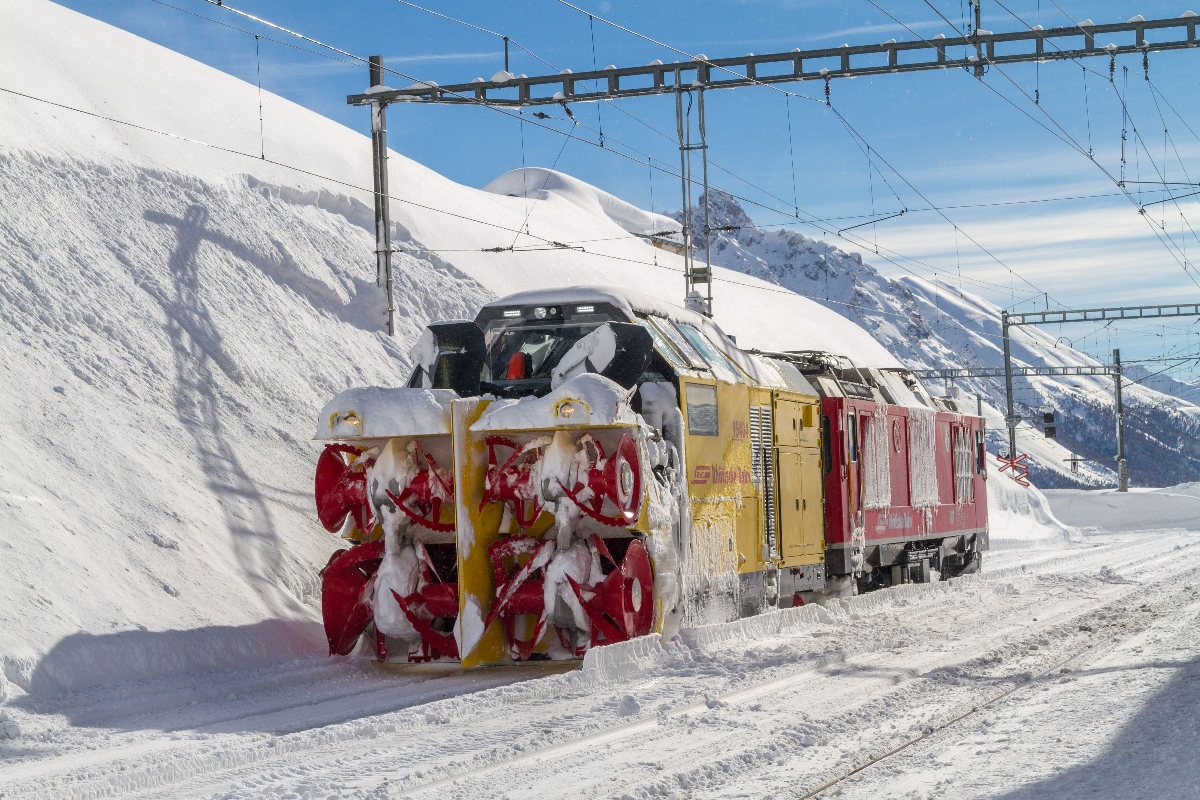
964,467
762,441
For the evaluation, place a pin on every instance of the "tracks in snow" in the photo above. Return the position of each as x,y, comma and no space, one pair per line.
793,710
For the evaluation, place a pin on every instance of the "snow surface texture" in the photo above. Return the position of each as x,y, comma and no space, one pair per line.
934,324
1137,510
1094,644
172,314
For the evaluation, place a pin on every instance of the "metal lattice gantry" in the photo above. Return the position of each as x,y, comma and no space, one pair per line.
700,74
1018,372
1125,313
1008,372
1110,313
801,65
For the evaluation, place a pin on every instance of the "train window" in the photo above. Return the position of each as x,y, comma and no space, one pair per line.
664,347
720,365
980,453
702,409
853,423
693,359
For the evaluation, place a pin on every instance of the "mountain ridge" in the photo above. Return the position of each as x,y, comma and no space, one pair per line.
931,324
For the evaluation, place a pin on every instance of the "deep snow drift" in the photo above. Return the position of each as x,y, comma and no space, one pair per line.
172,316
1137,510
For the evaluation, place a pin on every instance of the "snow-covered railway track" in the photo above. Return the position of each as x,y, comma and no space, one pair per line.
516,754
758,713
1168,607
871,688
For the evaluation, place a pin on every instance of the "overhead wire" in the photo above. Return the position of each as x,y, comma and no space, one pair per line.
508,113
547,127
1063,135
553,245
494,108
1178,251
1127,117
845,122
556,244
508,39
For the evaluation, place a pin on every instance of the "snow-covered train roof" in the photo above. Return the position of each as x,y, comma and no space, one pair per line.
624,299
761,370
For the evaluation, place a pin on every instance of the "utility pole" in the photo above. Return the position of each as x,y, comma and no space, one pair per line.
707,225
1010,418
383,222
693,274
1122,471
685,176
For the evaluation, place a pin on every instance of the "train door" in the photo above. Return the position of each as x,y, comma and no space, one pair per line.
850,450
798,460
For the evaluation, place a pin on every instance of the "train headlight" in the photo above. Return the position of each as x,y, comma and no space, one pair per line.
540,312
346,424
573,411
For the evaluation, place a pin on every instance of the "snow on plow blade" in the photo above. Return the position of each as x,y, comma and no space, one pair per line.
520,539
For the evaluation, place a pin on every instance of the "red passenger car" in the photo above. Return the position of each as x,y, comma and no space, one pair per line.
905,491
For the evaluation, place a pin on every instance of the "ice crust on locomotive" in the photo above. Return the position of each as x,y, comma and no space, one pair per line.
583,466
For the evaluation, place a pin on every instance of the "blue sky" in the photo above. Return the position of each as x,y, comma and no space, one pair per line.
958,142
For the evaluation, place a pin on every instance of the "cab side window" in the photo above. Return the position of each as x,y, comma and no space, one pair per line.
702,409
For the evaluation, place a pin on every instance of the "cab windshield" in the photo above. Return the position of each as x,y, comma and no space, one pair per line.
521,357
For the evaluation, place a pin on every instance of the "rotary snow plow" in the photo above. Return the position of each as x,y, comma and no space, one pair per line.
495,519
586,466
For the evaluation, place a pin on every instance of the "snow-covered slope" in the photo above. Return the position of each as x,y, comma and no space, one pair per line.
172,316
934,325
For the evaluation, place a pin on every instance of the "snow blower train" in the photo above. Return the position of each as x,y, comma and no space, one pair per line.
585,466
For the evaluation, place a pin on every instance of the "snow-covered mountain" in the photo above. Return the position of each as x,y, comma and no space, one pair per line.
932,324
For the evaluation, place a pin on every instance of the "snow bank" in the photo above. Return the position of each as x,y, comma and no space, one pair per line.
538,183
169,327
1019,516
616,663
1135,510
